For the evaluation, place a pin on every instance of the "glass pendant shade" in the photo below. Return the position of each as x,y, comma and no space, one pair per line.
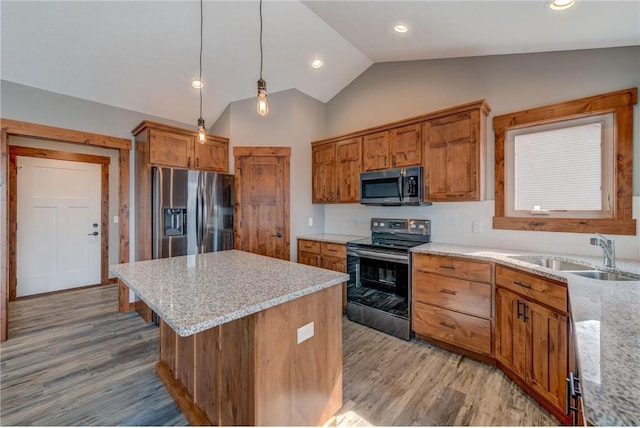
262,106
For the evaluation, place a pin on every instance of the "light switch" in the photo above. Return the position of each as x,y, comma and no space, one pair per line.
305,332
116,219
310,221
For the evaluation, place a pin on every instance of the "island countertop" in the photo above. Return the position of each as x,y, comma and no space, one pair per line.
195,293
606,328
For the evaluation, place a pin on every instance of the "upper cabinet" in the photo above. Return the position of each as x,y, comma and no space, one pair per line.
177,147
454,155
449,144
395,148
336,171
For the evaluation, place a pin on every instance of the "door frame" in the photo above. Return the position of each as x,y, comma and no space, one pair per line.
19,128
14,152
284,152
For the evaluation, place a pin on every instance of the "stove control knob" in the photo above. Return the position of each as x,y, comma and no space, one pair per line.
381,224
421,226
375,223
413,226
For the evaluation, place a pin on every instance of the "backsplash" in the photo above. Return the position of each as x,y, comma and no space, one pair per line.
453,222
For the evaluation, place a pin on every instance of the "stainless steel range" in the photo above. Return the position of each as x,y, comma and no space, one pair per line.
379,267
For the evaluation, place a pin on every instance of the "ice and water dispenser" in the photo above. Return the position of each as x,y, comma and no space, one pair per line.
175,221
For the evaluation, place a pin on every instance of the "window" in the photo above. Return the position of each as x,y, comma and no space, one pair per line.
567,167
561,169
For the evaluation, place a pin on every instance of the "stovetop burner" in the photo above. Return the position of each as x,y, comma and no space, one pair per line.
395,234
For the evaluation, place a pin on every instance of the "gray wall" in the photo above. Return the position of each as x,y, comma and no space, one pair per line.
294,120
509,83
391,91
34,105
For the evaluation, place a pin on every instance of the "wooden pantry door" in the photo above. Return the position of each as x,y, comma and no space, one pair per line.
262,200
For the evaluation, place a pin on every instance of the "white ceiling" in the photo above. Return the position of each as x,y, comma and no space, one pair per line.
142,55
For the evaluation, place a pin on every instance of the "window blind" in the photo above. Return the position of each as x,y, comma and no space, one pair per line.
559,169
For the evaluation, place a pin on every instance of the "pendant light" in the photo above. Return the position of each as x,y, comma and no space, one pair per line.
262,106
202,130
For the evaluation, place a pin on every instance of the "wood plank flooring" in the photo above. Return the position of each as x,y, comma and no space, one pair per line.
72,359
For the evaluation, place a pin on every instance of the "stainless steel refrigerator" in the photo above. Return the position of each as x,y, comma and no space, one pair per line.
192,212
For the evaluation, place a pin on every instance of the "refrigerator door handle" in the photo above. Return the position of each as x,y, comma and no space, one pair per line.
198,215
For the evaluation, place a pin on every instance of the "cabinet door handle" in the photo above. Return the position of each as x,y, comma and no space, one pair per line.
522,284
447,267
188,161
524,312
197,162
445,324
518,310
393,160
445,291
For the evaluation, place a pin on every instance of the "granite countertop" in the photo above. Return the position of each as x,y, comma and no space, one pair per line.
606,321
195,293
336,238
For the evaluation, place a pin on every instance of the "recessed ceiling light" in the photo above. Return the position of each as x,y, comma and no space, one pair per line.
197,83
401,28
561,4
316,63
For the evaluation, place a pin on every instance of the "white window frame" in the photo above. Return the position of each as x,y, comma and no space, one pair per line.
607,167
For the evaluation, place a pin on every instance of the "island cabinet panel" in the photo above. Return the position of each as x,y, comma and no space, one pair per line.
258,370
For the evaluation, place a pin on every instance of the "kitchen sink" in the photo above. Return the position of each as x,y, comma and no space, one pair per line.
552,263
604,276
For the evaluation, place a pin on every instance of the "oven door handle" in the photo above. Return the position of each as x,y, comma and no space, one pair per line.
397,258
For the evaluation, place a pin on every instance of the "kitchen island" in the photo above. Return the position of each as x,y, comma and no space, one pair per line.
245,339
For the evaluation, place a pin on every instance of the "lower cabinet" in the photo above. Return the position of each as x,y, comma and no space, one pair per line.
532,336
327,255
451,302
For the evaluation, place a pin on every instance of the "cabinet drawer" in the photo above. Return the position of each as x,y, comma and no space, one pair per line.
309,246
451,293
458,329
545,291
334,250
453,267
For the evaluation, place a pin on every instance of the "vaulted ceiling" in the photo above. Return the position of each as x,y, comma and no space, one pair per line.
142,55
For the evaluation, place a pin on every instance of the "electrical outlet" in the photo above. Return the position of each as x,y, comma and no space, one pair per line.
116,219
310,221
477,226
305,332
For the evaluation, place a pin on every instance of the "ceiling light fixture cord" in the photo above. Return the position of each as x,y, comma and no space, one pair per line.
262,106
261,51
202,130
201,39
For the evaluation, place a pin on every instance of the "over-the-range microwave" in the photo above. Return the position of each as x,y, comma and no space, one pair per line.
402,186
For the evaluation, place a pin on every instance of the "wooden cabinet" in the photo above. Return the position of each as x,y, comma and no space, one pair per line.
454,155
449,144
163,145
395,148
171,146
336,171
532,335
327,255
452,302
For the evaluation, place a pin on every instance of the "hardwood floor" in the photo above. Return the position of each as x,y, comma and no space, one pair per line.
72,359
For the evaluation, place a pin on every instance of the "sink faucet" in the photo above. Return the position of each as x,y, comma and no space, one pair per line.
608,247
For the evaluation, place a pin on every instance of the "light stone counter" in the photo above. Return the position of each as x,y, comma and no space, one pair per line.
606,320
335,238
195,293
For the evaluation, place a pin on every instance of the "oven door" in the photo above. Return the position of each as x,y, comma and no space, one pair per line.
380,282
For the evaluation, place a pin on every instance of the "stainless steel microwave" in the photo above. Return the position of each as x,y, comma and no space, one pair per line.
401,186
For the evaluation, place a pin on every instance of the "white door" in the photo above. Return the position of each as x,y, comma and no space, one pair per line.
58,238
